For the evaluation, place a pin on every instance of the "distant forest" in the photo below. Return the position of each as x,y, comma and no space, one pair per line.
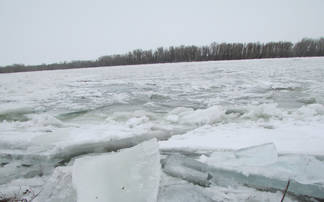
215,51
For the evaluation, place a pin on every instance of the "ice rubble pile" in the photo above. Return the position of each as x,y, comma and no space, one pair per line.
44,136
134,174
262,112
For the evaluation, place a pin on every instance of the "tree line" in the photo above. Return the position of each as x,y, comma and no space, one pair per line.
215,51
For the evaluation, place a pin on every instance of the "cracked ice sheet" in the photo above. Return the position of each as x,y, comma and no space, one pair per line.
297,138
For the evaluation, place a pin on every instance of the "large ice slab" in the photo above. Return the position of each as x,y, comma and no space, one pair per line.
191,171
264,160
130,175
176,190
230,177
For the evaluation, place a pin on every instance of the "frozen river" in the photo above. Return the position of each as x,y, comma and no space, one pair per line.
48,118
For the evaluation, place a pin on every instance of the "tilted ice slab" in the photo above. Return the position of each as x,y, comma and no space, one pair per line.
227,177
176,190
264,160
130,175
177,166
256,166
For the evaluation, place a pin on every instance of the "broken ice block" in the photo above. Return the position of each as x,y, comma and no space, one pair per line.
187,174
129,175
191,171
226,177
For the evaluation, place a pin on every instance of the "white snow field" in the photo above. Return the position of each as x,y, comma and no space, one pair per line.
226,131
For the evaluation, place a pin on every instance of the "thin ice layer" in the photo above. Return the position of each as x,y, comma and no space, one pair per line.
130,175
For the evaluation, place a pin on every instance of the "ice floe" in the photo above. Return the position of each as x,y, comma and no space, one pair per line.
48,119
129,175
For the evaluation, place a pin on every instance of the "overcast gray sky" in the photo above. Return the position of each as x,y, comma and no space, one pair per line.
46,31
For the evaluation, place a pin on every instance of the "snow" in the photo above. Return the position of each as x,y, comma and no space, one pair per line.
26,189
130,175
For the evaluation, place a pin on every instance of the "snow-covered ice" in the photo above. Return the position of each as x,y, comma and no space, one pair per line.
292,137
50,118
